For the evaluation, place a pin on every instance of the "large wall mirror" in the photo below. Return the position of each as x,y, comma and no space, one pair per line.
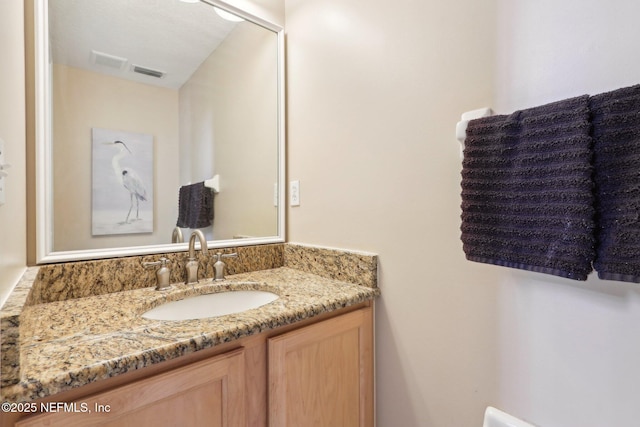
154,118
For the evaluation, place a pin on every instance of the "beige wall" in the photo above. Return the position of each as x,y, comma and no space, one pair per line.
229,125
83,100
247,153
13,229
374,92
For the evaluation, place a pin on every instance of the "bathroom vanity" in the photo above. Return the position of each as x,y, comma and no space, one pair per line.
320,373
305,358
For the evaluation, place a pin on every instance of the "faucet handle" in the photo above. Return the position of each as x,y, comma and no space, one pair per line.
161,262
218,267
162,274
218,256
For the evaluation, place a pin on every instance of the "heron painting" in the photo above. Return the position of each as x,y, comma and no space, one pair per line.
122,186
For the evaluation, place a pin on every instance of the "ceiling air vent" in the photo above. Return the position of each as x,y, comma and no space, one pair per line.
147,71
101,58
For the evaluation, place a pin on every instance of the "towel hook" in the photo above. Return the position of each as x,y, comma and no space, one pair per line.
213,183
461,126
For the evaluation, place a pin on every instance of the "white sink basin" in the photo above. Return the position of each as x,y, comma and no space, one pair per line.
211,305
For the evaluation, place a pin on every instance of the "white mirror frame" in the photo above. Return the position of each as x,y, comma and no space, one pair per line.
44,166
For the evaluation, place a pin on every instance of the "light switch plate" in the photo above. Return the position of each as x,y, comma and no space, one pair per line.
294,193
275,194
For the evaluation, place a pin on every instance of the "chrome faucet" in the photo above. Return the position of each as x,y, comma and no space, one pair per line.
191,267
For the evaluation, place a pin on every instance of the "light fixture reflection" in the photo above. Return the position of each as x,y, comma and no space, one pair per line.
227,15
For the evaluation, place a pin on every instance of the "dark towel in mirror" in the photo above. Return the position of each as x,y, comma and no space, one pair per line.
527,192
616,136
195,206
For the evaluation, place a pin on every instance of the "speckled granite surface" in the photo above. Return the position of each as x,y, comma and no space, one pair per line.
69,343
59,282
349,266
10,328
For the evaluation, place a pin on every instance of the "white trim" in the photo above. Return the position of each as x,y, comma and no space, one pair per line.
44,215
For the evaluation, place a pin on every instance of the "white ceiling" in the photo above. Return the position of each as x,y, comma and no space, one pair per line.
165,35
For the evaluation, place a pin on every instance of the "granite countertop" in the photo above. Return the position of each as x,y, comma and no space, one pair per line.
70,343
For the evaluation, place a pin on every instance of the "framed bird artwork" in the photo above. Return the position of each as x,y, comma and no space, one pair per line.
122,182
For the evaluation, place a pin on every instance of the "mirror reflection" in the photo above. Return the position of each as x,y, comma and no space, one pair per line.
164,118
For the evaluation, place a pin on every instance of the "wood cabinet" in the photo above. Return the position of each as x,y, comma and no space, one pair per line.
209,393
322,375
317,372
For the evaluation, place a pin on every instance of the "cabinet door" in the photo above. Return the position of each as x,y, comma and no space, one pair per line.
210,392
322,375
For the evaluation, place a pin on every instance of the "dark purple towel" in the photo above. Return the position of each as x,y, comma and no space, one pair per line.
527,192
195,206
616,136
